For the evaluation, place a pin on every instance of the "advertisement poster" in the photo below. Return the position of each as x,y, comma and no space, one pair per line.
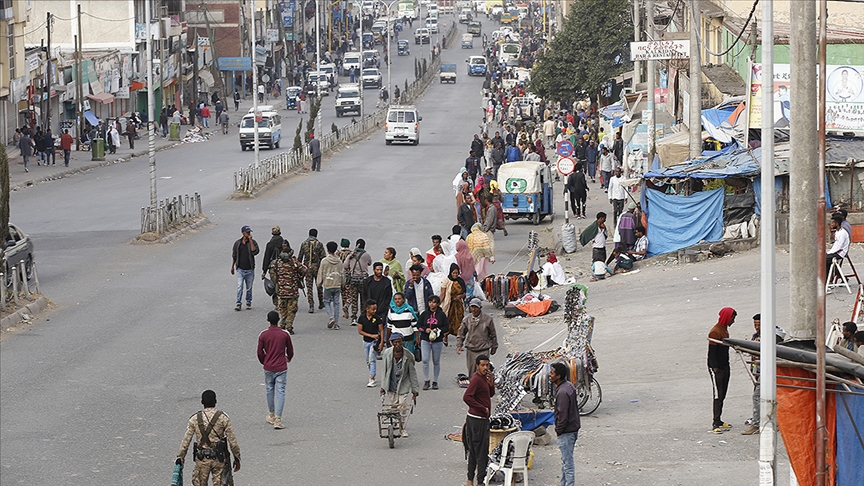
844,106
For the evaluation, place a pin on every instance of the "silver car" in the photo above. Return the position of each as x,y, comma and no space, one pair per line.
371,77
19,249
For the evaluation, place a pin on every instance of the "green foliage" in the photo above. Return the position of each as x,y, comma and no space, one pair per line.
423,70
405,91
416,68
298,140
592,48
314,108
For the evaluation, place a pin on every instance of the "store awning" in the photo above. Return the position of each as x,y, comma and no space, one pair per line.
135,85
91,118
104,98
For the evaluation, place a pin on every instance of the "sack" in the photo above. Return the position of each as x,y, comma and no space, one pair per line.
269,287
418,354
625,263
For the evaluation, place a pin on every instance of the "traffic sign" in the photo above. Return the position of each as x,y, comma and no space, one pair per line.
565,148
566,166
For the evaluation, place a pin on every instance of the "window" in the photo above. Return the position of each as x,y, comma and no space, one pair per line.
409,117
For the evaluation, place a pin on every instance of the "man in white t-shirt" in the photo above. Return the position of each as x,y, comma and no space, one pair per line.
640,248
840,247
598,249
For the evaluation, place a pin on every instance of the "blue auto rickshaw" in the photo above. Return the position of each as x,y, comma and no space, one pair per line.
292,93
402,48
368,40
526,188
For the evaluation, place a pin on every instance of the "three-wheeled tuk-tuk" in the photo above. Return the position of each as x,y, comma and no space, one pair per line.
527,190
402,48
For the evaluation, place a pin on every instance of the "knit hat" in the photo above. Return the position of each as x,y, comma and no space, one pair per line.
344,243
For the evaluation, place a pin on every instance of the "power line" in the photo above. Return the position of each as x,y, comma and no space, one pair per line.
693,25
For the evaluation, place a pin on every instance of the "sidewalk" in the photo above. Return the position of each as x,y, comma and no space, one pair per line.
80,161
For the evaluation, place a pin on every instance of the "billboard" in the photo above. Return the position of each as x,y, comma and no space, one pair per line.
844,101
657,50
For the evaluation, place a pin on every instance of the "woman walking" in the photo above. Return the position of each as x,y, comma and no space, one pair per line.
433,328
481,251
453,293
402,319
393,269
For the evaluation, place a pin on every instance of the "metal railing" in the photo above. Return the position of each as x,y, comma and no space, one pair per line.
250,179
171,213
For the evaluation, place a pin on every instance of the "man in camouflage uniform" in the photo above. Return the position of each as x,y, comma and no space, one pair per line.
289,273
356,268
271,251
212,428
311,254
343,254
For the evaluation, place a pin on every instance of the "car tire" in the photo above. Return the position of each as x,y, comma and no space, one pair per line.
388,142
417,142
242,147
277,143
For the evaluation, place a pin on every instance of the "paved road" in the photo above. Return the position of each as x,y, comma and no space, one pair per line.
100,389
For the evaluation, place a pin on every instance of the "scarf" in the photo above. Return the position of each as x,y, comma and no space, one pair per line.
464,260
479,244
551,258
399,309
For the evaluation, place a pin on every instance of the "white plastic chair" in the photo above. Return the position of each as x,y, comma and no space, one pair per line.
519,461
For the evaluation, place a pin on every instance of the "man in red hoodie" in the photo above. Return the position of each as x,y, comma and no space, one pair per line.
275,351
475,433
718,365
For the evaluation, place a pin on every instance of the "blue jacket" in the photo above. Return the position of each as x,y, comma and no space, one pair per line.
411,297
513,154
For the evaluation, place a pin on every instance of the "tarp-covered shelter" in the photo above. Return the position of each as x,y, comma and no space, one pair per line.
703,199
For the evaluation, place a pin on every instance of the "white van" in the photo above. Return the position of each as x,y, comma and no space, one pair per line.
349,60
269,129
432,25
403,125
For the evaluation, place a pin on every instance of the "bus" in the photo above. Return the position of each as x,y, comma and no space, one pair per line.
406,9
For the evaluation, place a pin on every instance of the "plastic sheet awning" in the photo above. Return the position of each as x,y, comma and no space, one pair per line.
720,166
91,118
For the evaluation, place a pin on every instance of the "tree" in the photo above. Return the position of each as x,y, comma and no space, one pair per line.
592,47
314,108
298,141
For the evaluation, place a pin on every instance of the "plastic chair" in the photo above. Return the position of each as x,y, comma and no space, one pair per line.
521,441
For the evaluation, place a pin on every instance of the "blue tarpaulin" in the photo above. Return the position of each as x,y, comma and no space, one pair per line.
850,423
741,163
676,222
90,117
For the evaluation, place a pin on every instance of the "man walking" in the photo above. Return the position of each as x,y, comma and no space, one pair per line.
271,251
607,165
25,143
243,260
418,290
718,365
236,99
315,152
215,435
476,335
377,287
289,274
577,189
475,432
275,351
400,377
311,254
617,195
356,267
66,146
330,277
567,422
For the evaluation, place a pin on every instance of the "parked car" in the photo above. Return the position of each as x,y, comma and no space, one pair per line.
371,78
19,248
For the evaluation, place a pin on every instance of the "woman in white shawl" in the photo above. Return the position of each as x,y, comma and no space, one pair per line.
553,271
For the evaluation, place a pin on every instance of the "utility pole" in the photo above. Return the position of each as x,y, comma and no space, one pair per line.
767,343
192,112
254,85
637,36
318,61
694,123
79,86
49,21
78,105
151,135
652,85
163,13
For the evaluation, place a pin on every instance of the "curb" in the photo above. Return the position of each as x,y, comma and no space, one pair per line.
174,234
86,168
30,309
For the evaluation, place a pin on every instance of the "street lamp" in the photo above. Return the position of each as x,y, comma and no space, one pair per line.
390,53
254,86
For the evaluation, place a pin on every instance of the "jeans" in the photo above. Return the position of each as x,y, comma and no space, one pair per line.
606,176
247,277
331,303
50,154
275,383
206,121
433,349
566,444
66,155
371,351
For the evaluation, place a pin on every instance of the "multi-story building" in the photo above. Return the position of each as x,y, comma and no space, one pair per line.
14,72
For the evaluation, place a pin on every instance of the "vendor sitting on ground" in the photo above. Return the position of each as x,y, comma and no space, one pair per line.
640,248
623,260
553,271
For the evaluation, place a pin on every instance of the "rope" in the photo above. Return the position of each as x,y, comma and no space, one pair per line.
743,29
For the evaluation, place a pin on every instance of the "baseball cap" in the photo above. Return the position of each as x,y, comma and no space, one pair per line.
245,228
395,335
476,302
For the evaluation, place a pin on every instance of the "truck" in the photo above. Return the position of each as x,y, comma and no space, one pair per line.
348,99
448,73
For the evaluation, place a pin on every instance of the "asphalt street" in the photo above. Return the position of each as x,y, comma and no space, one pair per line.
100,388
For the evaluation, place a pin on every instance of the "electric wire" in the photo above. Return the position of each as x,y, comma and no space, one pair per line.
743,29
